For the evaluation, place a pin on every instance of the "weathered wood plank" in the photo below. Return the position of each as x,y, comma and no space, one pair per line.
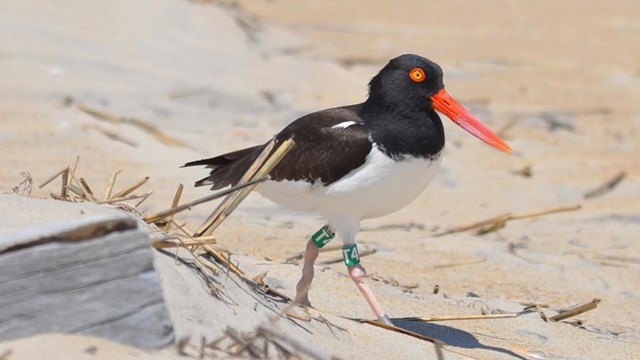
103,286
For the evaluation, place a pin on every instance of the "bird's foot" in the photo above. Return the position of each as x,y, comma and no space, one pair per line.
385,320
358,274
302,300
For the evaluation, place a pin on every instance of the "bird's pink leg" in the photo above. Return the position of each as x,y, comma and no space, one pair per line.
358,273
302,289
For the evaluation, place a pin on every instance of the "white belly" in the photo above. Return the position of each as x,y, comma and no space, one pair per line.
379,187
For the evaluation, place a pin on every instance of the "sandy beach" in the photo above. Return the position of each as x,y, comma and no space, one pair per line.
559,81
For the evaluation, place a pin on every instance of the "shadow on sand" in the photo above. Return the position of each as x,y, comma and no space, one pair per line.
451,336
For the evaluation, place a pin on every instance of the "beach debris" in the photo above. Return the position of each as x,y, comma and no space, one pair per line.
104,258
77,189
461,317
498,222
463,263
607,186
525,172
166,227
532,307
143,125
576,310
154,217
111,135
393,282
25,186
261,168
402,227
264,342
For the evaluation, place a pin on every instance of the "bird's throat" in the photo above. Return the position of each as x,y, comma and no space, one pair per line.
402,134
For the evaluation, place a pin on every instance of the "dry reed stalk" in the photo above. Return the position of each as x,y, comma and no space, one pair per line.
301,317
72,170
139,123
576,310
153,131
174,204
76,190
25,186
132,188
498,222
606,186
100,115
46,182
462,317
204,263
79,186
110,183
449,265
144,198
57,197
543,316
271,333
65,179
480,224
268,290
125,198
182,228
87,189
259,279
166,243
112,135
546,212
248,176
533,304
154,217
219,256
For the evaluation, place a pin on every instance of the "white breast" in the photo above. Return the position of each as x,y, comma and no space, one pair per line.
379,187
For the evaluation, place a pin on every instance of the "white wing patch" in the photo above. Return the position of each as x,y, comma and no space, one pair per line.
344,125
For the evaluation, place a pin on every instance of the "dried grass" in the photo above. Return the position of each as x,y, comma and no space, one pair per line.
498,222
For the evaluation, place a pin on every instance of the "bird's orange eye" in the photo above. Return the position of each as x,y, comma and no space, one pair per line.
417,74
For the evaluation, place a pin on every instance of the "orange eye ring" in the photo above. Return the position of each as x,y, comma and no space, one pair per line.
417,74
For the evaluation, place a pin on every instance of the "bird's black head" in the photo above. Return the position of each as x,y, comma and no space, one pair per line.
412,86
407,81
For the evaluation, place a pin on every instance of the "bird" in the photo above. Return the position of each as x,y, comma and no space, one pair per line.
357,162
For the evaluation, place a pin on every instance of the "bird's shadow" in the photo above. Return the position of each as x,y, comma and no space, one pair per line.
451,336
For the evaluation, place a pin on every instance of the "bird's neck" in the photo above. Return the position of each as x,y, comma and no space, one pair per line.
402,131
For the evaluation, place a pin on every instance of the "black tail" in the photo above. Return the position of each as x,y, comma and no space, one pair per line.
227,169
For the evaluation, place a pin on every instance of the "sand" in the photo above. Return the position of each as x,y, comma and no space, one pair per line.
559,81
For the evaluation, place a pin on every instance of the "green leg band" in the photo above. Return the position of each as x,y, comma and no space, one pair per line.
322,237
350,255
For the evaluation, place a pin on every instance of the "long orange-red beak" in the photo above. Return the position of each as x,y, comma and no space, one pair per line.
444,103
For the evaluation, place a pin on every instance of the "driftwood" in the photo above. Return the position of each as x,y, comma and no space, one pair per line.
92,276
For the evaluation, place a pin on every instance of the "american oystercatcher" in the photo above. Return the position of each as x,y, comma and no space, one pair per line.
359,161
